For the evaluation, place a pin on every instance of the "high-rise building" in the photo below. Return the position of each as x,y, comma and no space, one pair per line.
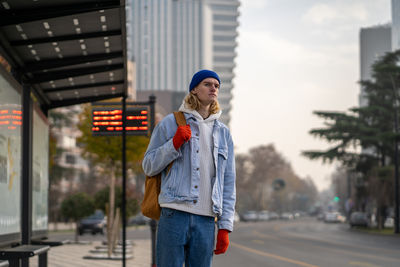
395,25
225,24
374,42
172,39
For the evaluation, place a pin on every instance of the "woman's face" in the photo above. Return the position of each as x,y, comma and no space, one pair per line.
207,91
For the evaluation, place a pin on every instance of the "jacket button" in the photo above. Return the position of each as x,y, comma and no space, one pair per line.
197,134
197,169
195,186
197,151
194,201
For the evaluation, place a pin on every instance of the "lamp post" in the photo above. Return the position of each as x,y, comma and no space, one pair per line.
396,160
396,169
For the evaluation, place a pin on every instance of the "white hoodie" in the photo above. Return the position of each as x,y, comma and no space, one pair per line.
207,168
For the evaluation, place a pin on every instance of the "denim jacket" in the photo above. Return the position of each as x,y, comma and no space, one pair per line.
180,184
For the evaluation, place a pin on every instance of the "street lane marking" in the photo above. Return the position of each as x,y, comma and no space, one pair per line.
258,241
366,255
363,264
269,255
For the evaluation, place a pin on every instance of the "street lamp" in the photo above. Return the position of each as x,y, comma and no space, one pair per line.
396,160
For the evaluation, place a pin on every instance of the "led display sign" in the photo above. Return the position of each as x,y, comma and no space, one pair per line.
10,117
107,121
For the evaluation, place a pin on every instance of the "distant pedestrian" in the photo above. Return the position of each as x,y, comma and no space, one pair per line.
200,186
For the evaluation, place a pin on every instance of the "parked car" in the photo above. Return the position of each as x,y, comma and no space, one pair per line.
263,215
236,217
358,218
273,215
95,223
389,222
250,216
333,217
139,219
287,216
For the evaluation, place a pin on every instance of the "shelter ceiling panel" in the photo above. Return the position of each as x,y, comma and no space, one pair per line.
66,44
70,94
88,64
102,77
28,4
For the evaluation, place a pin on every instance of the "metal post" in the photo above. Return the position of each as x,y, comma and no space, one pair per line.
396,175
43,260
124,181
152,102
396,158
153,223
153,228
26,197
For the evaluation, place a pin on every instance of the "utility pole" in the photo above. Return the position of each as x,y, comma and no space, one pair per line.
396,159
396,170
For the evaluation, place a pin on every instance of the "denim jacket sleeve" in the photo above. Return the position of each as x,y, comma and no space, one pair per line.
161,150
225,221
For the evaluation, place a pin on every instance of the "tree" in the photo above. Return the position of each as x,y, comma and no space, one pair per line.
105,152
76,207
369,127
257,170
101,198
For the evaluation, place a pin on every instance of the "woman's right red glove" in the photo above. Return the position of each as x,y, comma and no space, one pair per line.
182,135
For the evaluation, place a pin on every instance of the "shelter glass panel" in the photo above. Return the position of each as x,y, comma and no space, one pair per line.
10,157
40,171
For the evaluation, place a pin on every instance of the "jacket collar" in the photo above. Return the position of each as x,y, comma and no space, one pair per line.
193,114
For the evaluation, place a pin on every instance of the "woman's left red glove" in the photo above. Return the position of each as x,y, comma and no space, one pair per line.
222,241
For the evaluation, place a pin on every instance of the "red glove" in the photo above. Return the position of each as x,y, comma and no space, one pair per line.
222,241
182,135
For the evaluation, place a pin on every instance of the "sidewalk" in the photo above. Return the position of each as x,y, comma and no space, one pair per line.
72,255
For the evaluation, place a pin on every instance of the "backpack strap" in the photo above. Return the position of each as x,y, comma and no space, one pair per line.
180,118
180,121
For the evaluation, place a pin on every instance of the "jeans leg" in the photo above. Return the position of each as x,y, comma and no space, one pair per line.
171,238
201,241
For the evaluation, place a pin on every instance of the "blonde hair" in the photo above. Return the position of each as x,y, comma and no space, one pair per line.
192,101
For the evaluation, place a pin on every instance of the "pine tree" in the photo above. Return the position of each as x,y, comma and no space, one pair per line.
369,128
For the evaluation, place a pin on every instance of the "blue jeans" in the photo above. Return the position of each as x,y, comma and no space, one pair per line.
183,237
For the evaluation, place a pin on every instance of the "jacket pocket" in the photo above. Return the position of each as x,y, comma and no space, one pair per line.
222,159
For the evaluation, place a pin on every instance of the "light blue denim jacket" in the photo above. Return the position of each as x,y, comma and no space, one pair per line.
180,183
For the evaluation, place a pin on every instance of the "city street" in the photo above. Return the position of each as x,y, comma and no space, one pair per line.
308,242
302,242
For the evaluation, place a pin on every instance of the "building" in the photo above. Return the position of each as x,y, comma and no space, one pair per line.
375,41
225,24
395,25
172,39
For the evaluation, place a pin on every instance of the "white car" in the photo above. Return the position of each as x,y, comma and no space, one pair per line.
236,217
333,217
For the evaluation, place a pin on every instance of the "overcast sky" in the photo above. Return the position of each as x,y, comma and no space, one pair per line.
294,57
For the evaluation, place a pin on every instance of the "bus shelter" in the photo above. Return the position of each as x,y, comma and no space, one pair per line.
52,54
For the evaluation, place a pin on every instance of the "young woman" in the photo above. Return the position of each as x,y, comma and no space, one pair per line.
200,186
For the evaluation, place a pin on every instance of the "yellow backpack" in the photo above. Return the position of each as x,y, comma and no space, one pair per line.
152,187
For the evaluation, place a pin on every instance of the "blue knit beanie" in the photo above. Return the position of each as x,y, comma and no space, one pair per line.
199,76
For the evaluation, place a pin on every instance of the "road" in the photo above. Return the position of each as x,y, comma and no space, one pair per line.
309,243
302,242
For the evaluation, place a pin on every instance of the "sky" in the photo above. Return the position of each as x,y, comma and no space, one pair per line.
295,57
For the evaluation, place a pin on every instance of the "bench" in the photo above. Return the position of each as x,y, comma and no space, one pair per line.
16,254
50,243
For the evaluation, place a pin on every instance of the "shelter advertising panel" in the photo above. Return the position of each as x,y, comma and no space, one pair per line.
10,158
40,173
